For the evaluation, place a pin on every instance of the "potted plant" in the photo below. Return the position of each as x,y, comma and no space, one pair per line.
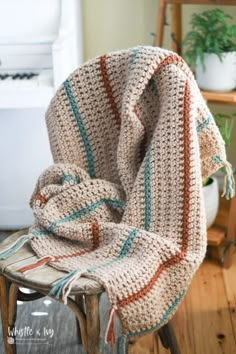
210,185
211,48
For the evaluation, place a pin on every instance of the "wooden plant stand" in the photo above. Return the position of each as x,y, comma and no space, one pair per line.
222,234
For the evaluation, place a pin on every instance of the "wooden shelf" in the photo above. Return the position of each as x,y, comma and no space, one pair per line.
220,97
216,235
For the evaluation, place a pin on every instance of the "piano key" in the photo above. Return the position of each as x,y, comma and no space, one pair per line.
3,77
16,76
19,80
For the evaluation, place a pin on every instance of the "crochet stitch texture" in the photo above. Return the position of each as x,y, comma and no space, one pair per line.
131,138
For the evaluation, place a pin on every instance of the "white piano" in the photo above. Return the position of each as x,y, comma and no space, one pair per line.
40,45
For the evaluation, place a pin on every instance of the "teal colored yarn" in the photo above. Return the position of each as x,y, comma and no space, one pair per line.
217,159
128,243
56,290
163,319
68,178
229,185
122,345
86,210
82,130
40,233
147,191
133,57
204,123
123,252
100,344
14,247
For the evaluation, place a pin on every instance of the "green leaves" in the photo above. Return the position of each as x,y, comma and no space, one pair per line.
225,124
210,33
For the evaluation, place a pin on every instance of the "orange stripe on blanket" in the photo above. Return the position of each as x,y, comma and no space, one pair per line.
186,207
47,259
108,88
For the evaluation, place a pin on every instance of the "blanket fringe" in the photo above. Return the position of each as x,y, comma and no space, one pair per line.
15,246
63,286
38,263
110,331
229,183
122,347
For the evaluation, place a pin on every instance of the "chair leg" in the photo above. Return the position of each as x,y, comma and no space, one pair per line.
168,338
93,325
79,299
12,312
4,310
7,310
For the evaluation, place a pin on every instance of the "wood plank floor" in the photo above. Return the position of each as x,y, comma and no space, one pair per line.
205,322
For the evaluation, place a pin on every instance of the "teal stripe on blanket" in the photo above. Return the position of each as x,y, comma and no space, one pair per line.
82,130
204,123
9,250
134,56
40,232
123,252
68,178
86,210
164,318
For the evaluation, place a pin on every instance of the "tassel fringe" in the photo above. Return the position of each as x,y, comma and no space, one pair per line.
229,183
122,347
63,286
15,246
110,331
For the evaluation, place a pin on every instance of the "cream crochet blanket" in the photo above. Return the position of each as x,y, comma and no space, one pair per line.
131,139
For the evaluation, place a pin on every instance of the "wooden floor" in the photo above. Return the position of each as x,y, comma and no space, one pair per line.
205,322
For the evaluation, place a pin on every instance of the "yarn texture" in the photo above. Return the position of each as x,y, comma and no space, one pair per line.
131,138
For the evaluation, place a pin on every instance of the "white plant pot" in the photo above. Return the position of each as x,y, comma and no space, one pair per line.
219,76
211,200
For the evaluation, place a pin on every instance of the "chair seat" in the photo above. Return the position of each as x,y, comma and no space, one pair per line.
39,279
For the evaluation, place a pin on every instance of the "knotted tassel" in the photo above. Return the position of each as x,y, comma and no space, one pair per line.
122,347
38,263
15,246
110,331
63,286
229,183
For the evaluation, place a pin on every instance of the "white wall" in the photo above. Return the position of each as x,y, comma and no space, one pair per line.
24,153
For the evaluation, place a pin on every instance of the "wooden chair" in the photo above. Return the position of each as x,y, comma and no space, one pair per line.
85,304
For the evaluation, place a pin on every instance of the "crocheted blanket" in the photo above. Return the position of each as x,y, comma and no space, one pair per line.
131,138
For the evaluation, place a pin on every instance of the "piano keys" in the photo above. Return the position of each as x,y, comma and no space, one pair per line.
26,79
